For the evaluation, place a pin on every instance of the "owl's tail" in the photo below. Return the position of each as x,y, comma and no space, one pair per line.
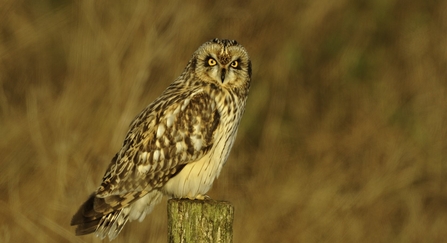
110,224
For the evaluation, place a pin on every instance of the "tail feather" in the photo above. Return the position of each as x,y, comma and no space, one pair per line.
95,216
86,218
87,227
112,224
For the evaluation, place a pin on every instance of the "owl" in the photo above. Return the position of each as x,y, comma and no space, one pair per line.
177,145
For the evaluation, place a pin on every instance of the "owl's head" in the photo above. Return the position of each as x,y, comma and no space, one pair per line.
224,63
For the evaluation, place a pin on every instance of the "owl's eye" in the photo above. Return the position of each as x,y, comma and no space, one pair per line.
234,64
211,61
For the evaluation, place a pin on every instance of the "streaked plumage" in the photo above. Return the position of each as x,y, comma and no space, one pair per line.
177,145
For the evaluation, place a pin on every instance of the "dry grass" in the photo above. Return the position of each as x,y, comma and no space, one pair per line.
344,138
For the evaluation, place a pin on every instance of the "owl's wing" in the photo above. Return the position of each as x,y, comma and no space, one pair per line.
162,140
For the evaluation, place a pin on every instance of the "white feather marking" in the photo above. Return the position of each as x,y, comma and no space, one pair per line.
177,110
160,130
156,155
143,157
196,126
180,147
143,169
121,220
162,156
170,120
196,142
185,103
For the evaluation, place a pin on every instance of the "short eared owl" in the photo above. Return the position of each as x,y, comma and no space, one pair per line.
177,145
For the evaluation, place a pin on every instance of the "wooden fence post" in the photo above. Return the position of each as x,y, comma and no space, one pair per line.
200,221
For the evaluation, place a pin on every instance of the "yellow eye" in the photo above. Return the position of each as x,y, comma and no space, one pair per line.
234,64
211,62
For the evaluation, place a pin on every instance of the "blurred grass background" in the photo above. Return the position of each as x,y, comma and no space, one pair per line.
344,138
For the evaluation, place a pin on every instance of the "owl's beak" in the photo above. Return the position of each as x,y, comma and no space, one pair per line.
222,74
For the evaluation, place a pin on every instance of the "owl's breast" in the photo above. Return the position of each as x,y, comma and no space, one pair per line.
196,178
